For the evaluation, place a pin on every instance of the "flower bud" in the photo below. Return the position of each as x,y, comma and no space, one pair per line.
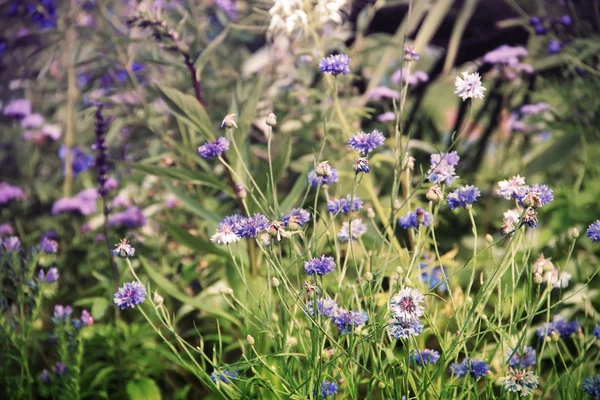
241,191
489,238
362,165
275,317
435,193
420,215
399,270
291,341
275,282
537,278
370,213
229,121
574,233
555,336
368,277
489,375
381,385
409,162
397,204
408,282
250,340
158,299
271,120
323,169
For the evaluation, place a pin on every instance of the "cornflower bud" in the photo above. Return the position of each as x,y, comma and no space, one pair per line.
250,340
158,299
229,121
275,282
271,120
435,193
323,169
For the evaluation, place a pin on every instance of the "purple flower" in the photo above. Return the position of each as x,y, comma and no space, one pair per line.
51,277
60,369
314,180
320,265
505,55
80,161
434,277
558,325
413,79
534,109
224,376
123,249
424,357
463,197
9,193
328,388
406,305
442,166
84,203
51,131
475,367
540,30
213,149
226,230
47,245
110,184
86,318
383,92
130,295
415,218
229,7
250,227
510,188
522,359
565,20
61,313
387,117
593,231
344,206
553,47
32,121
365,143
6,229
325,306
132,217
297,216
591,386
535,195
403,329
11,244
358,229
17,108
335,64
347,320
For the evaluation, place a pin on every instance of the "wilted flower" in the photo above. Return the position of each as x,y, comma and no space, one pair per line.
276,230
324,170
214,149
406,305
271,119
510,188
435,193
469,87
410,54
424,357
365,143
358,229
123,249
130,295
229,123
442,166
530,217
320,265
521,381
315,179
463,197
335,64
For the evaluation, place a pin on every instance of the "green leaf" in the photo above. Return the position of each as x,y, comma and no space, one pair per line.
170,289
294,194
143,389
191,204
207,54
188,109
99,307
193,242
178,174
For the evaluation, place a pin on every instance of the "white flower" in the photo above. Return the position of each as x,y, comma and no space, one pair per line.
225,234
469,87
287,16
511,216
406,305
330,10
510,188
358,229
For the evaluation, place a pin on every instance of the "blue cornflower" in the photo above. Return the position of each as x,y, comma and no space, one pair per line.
406,304
475,367
424,357
296,216
224,376
346,320
213,149
520,381
251,226
344,206
320,265
362,165
463,197
522,359
434,277
596,331
130,295
591,386
226,230
535,195
442,166
558,325
593,231
553,47
335,64
313,179
328,388
365,143
325,306
415,218
403,329
80,161
358,229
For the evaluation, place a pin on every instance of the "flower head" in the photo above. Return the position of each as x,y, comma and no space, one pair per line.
226,230
560,326
358,229
320,265
335,64
131,217
403,329
442,167
296,217
463,197
469,86
224,376
11,244
362,165
596,331
314,179
214,149
123,249
61,313
521,381
344,206
406,305
435,277
591,386
510,188
505,55
250,227
6,229
84,203
130,295
328,388
9,193
415,218
47,245
229,123
325,306
593,231
17,108
410,54
535,196
60,369
475,367
524,358
365,143
424,357
51,277
347,320
32,121
80,160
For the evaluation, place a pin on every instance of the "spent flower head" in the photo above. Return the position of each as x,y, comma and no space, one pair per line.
229,122
123,249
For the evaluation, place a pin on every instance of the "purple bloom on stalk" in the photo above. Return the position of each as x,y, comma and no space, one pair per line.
10,193
347,320
596,331
213,149
434,277
415,218
123,249
565,20
424,357
593,231
314,180
540,30
560,326
6,229
60,369
522,358
226,230
51,277
511,188
84,203
362,165
80,161
11,244
297,216
383,92
463,197
32,121
335,64
406,305
132,217
442,166
505,55
250,227
47,245
61,313
224,376
365,143
325,306
403,329
475,367
130,295
85,320
553,47
51,131
535,195
17,108
387,117
328,388
591,386
344,206
320,265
